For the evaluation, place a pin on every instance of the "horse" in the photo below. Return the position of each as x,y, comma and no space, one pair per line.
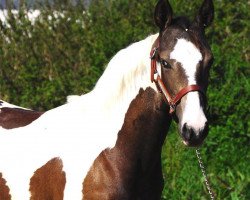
107,143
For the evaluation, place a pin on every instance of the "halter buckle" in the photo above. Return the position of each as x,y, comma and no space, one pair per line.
172,107
153,64
153,53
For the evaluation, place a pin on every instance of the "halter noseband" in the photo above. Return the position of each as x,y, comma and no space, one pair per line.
155,77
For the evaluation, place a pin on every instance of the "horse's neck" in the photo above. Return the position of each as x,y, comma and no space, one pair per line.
144,129
127,72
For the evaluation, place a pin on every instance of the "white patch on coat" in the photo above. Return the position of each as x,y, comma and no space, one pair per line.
189,56
78,131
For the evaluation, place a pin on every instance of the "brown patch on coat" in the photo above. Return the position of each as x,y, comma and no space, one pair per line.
16,117
4,189
132,169
48,182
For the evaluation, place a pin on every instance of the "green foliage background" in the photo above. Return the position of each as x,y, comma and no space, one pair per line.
42,63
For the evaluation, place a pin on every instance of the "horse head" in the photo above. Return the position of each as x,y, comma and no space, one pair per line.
183,58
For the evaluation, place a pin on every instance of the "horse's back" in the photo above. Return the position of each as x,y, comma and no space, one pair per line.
15,117
12,116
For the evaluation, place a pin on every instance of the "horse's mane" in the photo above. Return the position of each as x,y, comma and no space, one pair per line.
125,74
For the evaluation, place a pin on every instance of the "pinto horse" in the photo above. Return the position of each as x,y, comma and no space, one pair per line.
107,143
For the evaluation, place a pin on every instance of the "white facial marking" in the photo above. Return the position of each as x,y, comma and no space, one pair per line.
193,114
189,56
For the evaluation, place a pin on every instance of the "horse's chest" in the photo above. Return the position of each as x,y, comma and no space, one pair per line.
115,175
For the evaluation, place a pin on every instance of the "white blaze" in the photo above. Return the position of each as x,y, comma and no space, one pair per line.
189,56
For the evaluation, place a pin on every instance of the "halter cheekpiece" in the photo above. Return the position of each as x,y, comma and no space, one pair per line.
155,77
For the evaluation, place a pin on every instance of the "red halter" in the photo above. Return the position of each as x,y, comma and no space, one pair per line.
155,77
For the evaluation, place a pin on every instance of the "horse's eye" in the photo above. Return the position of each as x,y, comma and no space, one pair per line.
165,64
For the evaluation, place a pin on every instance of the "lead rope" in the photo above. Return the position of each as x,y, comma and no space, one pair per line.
204,173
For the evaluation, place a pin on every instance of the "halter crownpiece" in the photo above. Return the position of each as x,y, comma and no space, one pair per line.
155,77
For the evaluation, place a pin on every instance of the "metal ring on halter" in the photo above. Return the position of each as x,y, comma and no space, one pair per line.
172,107
153,53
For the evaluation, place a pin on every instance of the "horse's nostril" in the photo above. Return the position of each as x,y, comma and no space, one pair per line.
193,136
188,132
184,128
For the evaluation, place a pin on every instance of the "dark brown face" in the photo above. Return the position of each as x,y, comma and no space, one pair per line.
185,59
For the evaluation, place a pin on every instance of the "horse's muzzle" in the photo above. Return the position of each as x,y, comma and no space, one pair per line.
192,137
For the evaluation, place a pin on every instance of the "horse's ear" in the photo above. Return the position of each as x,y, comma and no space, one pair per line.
163,14
205,15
